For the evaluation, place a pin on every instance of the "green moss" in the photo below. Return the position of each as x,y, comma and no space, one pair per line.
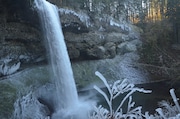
7,99
36,82
36,77
84,74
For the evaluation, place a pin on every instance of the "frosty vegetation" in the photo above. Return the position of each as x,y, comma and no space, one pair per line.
82,16
119,88
8,67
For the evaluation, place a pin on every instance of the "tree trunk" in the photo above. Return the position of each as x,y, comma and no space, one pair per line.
178,33
175,30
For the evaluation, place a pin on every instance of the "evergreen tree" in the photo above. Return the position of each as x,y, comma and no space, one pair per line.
173,14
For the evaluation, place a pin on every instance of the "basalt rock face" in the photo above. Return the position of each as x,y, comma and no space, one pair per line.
22,44
20,35
89,35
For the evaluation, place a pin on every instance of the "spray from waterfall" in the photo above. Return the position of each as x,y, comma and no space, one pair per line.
62,75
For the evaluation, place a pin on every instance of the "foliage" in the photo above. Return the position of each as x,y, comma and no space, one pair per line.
103,1
7,98
119,87
157,38
173,14
173,10
158,33
166,111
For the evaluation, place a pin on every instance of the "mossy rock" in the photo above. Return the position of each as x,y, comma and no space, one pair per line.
7,99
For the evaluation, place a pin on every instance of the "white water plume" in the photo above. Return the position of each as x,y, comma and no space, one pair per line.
68,105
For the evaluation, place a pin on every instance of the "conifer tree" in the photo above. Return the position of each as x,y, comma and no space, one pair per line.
173,14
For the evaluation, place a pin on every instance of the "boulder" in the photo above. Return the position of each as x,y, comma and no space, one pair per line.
127,47
8,67
176,47
98,52
28,107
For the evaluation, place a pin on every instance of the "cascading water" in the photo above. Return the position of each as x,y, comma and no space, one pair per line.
67,97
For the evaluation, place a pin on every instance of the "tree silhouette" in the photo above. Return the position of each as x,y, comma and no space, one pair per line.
173,13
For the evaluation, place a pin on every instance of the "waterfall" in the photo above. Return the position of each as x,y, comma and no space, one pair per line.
62,75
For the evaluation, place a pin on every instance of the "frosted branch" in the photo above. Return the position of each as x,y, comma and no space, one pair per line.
175,99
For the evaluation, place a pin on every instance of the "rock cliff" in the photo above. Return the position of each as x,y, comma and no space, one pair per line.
89,35
95,41
20,32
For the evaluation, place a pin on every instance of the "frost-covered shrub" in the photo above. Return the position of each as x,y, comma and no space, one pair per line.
119,87
8,67
166,110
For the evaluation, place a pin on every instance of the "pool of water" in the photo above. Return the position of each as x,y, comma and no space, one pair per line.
149,102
